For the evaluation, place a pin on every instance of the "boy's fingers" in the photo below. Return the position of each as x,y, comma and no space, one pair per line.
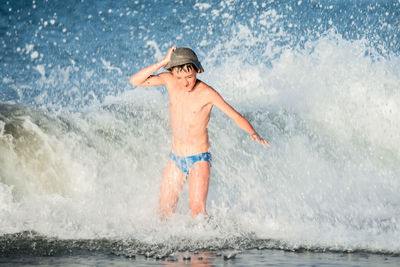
264,142
259,139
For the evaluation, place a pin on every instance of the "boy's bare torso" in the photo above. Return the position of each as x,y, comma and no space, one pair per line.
189,117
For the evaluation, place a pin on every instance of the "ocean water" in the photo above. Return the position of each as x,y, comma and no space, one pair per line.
82,151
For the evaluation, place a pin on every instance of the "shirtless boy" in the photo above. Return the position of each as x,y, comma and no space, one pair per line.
191,102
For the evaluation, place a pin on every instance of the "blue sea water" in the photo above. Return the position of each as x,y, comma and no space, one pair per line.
82,151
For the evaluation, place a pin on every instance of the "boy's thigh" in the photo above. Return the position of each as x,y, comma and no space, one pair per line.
199,178
173,178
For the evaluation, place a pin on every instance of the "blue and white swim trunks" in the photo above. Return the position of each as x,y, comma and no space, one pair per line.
185,163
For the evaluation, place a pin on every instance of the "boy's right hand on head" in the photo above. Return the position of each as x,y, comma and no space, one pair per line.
167,58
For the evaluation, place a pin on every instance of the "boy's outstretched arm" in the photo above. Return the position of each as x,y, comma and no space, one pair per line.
241,121
145,78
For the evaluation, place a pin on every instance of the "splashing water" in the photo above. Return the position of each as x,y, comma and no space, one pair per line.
82,152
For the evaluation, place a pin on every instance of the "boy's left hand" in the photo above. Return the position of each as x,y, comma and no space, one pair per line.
256,137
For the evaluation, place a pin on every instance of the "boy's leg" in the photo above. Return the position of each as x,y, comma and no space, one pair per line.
171,185
199,178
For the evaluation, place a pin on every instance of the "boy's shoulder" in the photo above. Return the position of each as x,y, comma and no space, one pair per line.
202,85
207,92
205,87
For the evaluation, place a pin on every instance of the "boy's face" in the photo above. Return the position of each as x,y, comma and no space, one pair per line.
185,79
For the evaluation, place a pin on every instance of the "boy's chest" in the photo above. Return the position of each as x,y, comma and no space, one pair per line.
188,105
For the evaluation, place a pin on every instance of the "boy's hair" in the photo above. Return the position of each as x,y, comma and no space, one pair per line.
185,67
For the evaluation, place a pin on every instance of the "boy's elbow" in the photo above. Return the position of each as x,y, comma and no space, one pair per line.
133,81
